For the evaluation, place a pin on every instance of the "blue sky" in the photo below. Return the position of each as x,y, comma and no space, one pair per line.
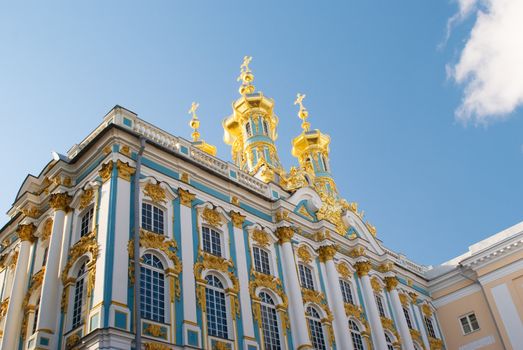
376,76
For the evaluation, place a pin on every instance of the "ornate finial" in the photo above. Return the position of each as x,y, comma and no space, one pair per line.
246,77
303,114
194,123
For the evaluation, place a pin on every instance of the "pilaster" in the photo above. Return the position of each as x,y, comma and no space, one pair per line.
191,330
378,336
299,327
391,283
334,297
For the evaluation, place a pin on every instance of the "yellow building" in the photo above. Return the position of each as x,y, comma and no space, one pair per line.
479,295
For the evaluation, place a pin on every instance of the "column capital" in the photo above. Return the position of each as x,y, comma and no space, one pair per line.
363,268
186,197
284,234
237,219
60,201
25,232
106,171
391,283
124,170
413,297
327,252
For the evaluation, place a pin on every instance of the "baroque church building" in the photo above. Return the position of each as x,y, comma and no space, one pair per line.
136,234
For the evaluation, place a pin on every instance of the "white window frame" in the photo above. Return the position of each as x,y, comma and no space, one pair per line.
350,286
166,288
269,259
220,235
231,332
165,215
311,269
469,322
276,301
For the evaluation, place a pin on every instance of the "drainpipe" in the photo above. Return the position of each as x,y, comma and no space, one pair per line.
476,281
137,315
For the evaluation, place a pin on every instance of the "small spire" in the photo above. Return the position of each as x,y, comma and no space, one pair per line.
246,77
302,113
194,123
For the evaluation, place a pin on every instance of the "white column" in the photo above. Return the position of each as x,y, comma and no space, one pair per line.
335,299
378,335
421,320
48,313
14,310
300,333
406,338
243,277
190,321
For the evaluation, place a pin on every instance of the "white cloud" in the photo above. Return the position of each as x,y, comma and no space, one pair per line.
490,67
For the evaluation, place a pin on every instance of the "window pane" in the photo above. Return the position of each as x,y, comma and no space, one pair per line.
306,277
216,310
473,322
261,261
152,289
346,292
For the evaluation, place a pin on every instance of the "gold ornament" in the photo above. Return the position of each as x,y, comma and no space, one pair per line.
386,267
246,77
212,217
125,150
391,283
343,270
124,170
404,299
353,310
284,234
186,197
237,219
427,311
388,324
376,286
357,252
106,171
86,198
86,244
155,330
327,252
155,192
435,344
31,212
184,178
155,346
304,254
3,307
282,215
371,228
48,228
72,341
363,268
25,232
235,201
260,237
413,297
60,201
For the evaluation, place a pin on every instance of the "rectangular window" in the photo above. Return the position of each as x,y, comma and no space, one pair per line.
407,317
211,241
85,226
306,277
261,261
379,303
430,327
346,292
469,323
152,218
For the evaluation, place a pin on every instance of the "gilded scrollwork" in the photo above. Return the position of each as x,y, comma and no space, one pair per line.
124,170
212,217
376,285
304,254
155,192
260,237
343,270
48,228
86,199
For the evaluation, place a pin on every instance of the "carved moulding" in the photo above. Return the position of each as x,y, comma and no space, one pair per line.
261,238
151,240
212,217
304,254
343,270
260,280
36,282
86,244
86,198
376,285
155,192
208,261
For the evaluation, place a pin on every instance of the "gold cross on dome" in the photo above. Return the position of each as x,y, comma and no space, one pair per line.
192,110
299,100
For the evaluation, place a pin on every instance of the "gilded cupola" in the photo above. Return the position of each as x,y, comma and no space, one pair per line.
311,148
194,123
251,130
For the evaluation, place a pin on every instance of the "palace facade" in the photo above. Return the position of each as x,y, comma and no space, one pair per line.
242,255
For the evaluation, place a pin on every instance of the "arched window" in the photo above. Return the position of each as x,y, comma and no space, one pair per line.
35,318
389,342
211,241
407,317
306,276
261,260
216,308
271,331
86,222
79,293
430,327
265,128
152,289
152,218
379,303
346,292
355,334
248,129
315,329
